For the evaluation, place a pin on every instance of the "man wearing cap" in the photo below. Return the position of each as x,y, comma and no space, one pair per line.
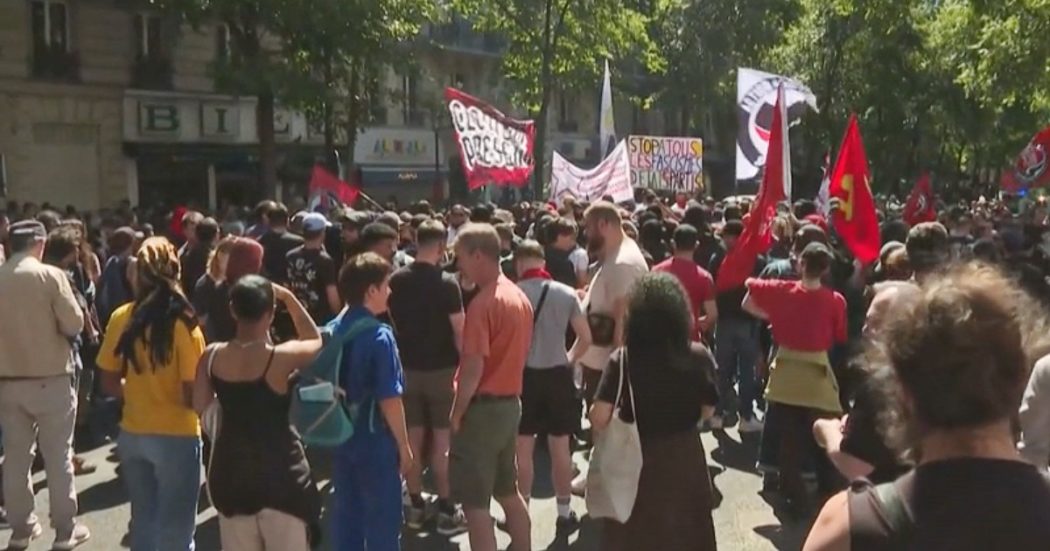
312,273
39,320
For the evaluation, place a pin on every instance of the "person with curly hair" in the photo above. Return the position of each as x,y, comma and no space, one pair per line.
953,360
673,388
149,359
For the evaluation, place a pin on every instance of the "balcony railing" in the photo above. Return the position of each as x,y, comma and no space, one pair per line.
459,35
153,73
56,64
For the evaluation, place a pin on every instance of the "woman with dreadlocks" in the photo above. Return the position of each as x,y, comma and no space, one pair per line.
149,358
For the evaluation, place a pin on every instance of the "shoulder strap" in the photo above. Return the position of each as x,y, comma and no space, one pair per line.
539,305
357,327
879,517
211,358
898,517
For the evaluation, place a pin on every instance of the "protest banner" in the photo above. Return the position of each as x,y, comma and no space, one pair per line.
612,177
666,163
494,148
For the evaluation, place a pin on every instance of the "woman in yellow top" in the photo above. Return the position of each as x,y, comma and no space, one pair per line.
149,358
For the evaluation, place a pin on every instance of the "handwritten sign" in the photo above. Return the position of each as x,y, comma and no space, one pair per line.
666,163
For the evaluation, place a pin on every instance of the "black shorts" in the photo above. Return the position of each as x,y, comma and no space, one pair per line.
549,402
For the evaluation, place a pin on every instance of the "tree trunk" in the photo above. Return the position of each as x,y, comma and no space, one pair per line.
353,117
328,117
540,149
267,144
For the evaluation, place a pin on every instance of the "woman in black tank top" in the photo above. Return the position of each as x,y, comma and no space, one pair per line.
258,478
955,356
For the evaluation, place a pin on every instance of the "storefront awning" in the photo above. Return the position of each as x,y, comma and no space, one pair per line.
394,176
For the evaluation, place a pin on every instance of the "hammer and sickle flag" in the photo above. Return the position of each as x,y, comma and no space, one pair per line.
855,220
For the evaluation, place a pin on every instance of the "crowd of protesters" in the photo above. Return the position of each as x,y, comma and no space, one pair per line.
887,397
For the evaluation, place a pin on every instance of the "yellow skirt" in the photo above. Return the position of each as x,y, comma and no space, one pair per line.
803,379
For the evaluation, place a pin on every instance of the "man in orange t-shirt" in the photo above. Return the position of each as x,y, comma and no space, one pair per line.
497,334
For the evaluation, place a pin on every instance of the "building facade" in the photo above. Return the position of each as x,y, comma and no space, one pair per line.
100,103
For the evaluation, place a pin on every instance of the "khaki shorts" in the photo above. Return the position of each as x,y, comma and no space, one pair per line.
481,461
428,398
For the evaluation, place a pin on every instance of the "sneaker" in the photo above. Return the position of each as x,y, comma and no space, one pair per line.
3,519
20,540
715,422
416,517
451,524
79,535
579,486
565,525
751,425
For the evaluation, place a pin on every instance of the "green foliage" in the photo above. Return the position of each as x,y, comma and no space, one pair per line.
567,39
955,86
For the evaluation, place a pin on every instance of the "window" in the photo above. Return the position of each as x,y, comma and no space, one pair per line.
458,80
153,69
376,103
222,42
50,25
567,113
410,100
53,57
148,36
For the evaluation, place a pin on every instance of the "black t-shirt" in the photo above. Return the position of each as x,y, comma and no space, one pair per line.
668,397
213,301
861,437
963,504
194,263
422,297
276,247
310,272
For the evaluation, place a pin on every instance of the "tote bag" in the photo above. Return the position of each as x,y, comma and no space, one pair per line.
616,463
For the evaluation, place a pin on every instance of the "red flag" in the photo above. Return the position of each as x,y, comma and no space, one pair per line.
921,206
326,185
855,220
757,237
1030,170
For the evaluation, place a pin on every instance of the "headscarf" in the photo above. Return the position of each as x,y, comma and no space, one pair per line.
159,305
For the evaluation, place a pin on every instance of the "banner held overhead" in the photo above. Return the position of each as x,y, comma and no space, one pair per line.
494,148
666,163
612,177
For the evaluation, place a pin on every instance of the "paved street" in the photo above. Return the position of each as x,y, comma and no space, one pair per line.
743,521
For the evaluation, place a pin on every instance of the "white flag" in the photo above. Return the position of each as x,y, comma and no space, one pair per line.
756,95
824,194
606,121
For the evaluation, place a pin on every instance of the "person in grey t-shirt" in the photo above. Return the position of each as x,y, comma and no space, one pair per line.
549,403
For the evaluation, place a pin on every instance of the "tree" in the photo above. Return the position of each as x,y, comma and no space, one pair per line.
560,45
954,87
704,44
342,49
324,57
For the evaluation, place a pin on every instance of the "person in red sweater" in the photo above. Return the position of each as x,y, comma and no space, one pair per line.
806,319
697,282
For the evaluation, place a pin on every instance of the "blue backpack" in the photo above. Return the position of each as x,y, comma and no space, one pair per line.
321,412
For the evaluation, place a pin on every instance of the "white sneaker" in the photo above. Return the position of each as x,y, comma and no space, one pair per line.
579,485
715,422
79,535
20,540
751,425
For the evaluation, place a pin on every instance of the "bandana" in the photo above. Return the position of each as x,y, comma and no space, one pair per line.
538,273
